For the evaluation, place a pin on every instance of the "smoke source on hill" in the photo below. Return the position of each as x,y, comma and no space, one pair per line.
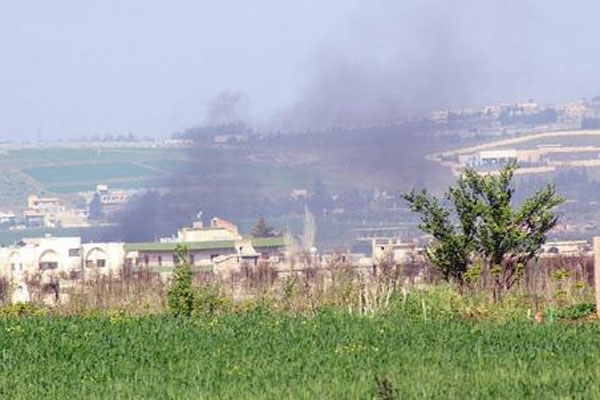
398,60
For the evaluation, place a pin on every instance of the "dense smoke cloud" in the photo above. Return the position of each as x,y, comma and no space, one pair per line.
392,61
397,60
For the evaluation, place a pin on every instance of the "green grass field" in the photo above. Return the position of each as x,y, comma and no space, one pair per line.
66,171
272,356
87,172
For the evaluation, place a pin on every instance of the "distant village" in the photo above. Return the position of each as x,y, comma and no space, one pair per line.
217,249
51,212
220,248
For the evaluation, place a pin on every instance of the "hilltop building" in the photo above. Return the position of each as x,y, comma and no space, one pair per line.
44,205
51,212
7,219
111,200
495,157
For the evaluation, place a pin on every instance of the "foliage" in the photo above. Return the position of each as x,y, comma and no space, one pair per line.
262,229
22,310
454,244
577,311
180,294
208,300
484,224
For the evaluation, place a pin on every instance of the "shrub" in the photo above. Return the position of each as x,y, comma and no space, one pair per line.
576,311
208,300
22,310
180,295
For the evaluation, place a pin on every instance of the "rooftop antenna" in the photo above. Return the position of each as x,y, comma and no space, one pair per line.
198,222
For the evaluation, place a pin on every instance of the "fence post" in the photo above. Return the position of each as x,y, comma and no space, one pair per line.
597,272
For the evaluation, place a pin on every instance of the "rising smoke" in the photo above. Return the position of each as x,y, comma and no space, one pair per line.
227,107
398,60
393,61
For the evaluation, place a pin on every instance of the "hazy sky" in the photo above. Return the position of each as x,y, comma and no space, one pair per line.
74,68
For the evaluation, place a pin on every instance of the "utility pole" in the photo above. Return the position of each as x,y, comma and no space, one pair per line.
597,272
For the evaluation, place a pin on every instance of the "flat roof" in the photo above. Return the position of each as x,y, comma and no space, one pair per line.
275,241
170,246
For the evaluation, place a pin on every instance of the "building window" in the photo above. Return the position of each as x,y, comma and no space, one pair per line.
101,263
74,253
48,265
159,261
175,259
146,260
192,259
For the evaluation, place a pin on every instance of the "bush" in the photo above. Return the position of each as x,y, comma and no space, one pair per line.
208,301
180,295
22,310
436,302
577,311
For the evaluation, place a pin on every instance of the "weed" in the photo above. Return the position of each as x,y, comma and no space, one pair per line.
385,389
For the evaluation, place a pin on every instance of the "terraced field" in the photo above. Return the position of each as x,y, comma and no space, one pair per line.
68,171
88,172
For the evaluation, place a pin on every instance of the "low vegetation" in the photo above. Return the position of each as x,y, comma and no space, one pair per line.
338,332
259,353
419,330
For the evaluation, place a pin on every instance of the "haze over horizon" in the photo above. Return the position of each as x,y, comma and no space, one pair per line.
150,68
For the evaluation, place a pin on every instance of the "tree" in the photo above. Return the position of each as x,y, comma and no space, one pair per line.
484,225
262,229
453,243
180,295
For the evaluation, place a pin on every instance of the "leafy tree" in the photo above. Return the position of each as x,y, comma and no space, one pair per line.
483,224
180,295
454,243
262,229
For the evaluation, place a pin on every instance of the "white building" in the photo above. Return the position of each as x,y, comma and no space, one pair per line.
494,157
566,248
47,259
401,252
111,200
